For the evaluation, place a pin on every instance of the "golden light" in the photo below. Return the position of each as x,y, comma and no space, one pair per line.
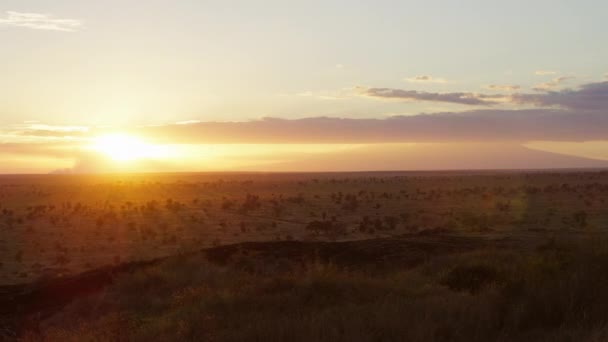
123,147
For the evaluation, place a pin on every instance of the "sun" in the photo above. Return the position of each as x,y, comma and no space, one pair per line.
123,148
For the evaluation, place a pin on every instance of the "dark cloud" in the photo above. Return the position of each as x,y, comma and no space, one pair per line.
593,96
413,95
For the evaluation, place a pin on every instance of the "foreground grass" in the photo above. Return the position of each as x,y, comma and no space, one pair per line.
554,293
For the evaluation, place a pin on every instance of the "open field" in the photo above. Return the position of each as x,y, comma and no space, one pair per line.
360,256
58,225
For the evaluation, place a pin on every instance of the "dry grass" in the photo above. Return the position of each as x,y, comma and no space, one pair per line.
55,225
420,257
555,293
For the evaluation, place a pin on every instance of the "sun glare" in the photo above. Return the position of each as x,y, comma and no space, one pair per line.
123,148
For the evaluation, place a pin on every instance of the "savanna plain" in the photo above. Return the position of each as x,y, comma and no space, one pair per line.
371,256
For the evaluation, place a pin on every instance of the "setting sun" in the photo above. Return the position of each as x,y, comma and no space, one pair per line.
123,147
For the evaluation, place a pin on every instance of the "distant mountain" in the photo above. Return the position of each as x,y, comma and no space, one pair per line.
462,156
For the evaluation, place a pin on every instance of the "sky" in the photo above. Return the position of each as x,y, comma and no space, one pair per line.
314,85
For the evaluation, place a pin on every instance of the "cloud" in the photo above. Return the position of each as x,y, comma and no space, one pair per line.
187,122
339,94
426,79
590,97
568,115
544,72
55,128
503,87
571,115
39,21
464,98
35,130
479,126
552,84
